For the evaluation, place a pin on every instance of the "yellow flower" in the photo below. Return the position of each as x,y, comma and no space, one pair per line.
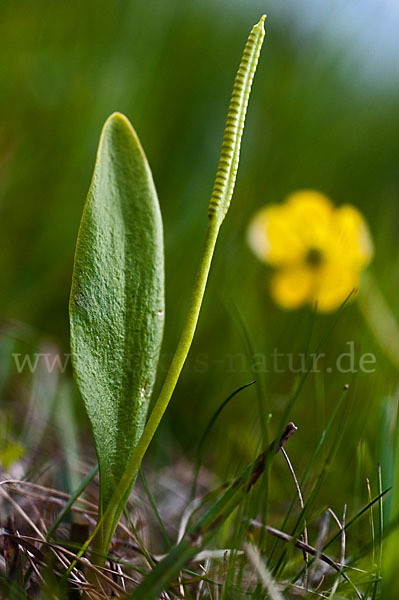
318,250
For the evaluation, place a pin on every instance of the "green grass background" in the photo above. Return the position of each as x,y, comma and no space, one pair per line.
315,120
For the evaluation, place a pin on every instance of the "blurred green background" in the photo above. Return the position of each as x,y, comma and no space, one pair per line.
323,114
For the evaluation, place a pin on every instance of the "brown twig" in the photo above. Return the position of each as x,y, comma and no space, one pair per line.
343,541
259,466
299,544
301,503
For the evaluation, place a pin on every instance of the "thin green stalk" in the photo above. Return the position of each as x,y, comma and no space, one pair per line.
78,492
205,434
218,207
371,517
379,317
154,508
377,581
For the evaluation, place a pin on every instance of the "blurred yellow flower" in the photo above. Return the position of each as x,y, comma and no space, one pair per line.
318,250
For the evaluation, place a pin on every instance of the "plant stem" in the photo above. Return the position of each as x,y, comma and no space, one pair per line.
182,350
379,317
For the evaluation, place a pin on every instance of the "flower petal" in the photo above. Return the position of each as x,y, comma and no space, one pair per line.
311,212
273,236
350,237
292,287
333,285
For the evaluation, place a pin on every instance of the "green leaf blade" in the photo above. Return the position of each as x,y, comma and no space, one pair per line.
117,299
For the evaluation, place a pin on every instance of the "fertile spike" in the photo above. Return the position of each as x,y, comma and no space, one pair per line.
230,154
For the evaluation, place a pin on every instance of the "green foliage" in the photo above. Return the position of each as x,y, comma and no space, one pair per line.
315,121
117,299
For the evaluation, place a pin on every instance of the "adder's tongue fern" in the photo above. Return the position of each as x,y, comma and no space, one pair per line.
219,204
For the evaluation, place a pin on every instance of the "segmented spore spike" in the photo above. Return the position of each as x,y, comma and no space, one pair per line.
230,153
